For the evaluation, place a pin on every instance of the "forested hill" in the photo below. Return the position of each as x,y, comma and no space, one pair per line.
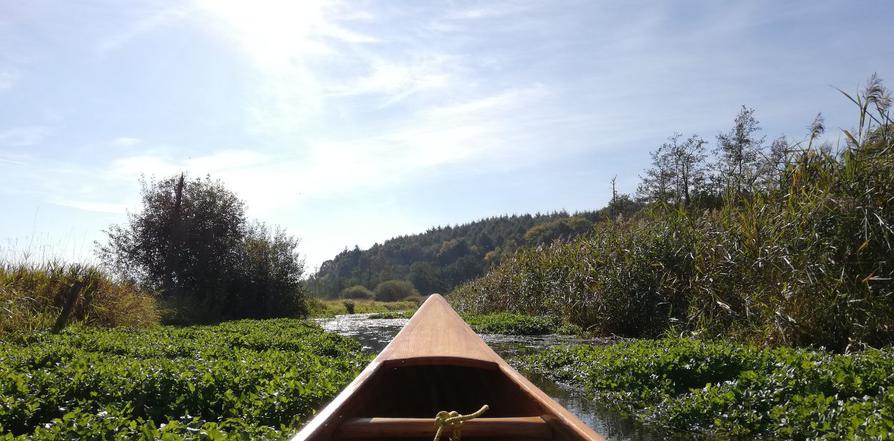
443,257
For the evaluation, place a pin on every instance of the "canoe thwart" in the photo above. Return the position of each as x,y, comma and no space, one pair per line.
533,427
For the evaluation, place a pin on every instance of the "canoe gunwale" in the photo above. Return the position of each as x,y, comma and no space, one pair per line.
436,336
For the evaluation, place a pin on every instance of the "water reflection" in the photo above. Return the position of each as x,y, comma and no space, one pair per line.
374,335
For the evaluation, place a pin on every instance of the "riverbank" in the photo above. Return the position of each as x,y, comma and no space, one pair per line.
317,308
726,390
249,379
263,379
517,324
497,323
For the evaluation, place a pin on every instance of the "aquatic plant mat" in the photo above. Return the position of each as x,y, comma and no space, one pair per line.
250,379
732,390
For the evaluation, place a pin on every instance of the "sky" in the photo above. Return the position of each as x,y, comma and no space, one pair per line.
348,123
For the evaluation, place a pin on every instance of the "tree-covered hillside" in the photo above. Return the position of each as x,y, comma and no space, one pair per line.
443,257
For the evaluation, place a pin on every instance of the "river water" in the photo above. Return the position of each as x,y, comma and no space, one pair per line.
374,335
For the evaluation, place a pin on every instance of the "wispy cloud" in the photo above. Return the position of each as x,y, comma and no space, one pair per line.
8,79
152,21
439,136
11,161
491,10
326,104
396,81
92,206
23,136
450,135
126,142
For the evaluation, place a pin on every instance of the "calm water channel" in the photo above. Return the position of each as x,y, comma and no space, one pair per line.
375,334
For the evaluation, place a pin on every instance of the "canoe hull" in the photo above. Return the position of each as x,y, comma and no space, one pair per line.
438,363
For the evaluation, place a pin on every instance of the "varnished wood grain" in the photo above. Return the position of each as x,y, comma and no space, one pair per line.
388,428
437,332
426,361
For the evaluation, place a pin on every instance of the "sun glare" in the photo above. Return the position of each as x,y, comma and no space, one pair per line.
271,31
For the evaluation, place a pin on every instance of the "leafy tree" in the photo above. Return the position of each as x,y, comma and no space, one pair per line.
438,259
559,229
192,243
426,278
459,271
268,280
183,241
739,153
656,183
357,292
622,205
678,173
394,290
452,249
690,169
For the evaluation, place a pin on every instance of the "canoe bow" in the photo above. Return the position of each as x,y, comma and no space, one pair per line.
437,357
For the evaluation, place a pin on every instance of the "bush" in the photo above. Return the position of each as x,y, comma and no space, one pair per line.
52,295
191,242
357,292
394,290
269,279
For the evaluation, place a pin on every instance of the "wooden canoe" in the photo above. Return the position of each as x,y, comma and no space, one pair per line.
438,363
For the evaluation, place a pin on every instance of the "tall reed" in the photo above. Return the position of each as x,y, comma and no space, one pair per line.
52,295
806,258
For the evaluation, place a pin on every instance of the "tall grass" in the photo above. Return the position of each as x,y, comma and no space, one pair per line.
52,295
806,259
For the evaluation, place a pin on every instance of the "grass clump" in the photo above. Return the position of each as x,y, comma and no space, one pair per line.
357,292
237,380
392,315
52,295
512,324
732,390
330,308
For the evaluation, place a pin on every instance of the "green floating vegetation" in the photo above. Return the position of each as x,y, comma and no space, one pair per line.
501,323
731,390
512,324
237,380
